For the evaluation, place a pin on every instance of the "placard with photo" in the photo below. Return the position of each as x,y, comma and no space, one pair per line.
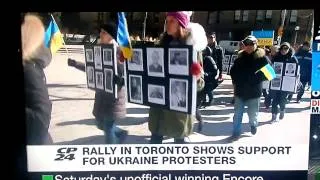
135,89
156,94
289,84
233,58
155,62
178,94
90,77
99,80
107,56
108,74
178,61
225,68
97,57
226,60
290,69
276,83
89,55
278,66
136,62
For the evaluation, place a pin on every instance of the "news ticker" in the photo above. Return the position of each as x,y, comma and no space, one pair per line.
173,175
73,158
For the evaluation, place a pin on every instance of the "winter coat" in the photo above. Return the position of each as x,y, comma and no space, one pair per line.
171,123
305,61
105,105
245,74
37,103
211,73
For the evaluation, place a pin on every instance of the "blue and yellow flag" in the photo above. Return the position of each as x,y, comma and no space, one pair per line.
123,36
268,72
53,37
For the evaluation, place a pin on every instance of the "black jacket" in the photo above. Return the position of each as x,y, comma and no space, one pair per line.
211,73
217,55
37,103
245,74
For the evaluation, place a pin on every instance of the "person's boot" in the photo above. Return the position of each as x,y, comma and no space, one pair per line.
274,118
253,130
156,139
121,134
281,116
200,122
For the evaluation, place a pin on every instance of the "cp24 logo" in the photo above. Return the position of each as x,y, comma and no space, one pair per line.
65,154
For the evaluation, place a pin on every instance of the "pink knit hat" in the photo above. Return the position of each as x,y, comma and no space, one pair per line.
183,17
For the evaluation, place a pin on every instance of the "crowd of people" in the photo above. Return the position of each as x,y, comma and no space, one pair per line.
246,78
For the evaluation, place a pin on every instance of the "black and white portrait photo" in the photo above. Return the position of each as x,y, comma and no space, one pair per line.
99,80
278,68
89,55
225,68
290,69
233,58
136,62
155,62
178,95
135,89
107,56
226,60
178,61
276,83
90,77
108,73
156,94
97,57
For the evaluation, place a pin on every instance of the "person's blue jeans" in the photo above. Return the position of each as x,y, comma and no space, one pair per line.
253,110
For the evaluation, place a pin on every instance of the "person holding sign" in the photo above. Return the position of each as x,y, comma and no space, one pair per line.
248,72
107,109
178,125
285,55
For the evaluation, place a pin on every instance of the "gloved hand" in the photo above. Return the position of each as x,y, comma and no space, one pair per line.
118,80
71,62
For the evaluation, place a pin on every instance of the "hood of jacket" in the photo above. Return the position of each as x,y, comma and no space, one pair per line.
258,53
287,56
43,56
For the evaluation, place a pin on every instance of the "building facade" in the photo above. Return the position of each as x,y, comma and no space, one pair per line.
228,25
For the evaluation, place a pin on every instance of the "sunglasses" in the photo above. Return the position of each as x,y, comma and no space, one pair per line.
285,48
247,43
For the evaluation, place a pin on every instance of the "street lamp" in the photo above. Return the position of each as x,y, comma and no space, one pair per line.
297,28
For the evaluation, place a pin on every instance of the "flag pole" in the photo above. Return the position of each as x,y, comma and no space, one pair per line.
62,38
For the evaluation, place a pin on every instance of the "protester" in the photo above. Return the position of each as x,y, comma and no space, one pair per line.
106,109
247,81
179,31
211,75
304,57
35,57
285,55
217,52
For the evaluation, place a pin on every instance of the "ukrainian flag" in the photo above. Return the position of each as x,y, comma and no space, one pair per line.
53,37
268,72
123,36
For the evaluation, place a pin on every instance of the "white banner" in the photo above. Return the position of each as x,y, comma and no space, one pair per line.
167,157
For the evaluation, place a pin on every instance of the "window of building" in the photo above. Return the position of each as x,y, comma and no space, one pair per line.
293,16
268,14
245,16
212,17
137,16
237,16
260,15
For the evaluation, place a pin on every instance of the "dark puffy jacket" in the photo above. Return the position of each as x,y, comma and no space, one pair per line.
37,103
211,73
245,74
305,61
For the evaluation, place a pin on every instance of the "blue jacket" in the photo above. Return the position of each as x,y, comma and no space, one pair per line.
305,61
